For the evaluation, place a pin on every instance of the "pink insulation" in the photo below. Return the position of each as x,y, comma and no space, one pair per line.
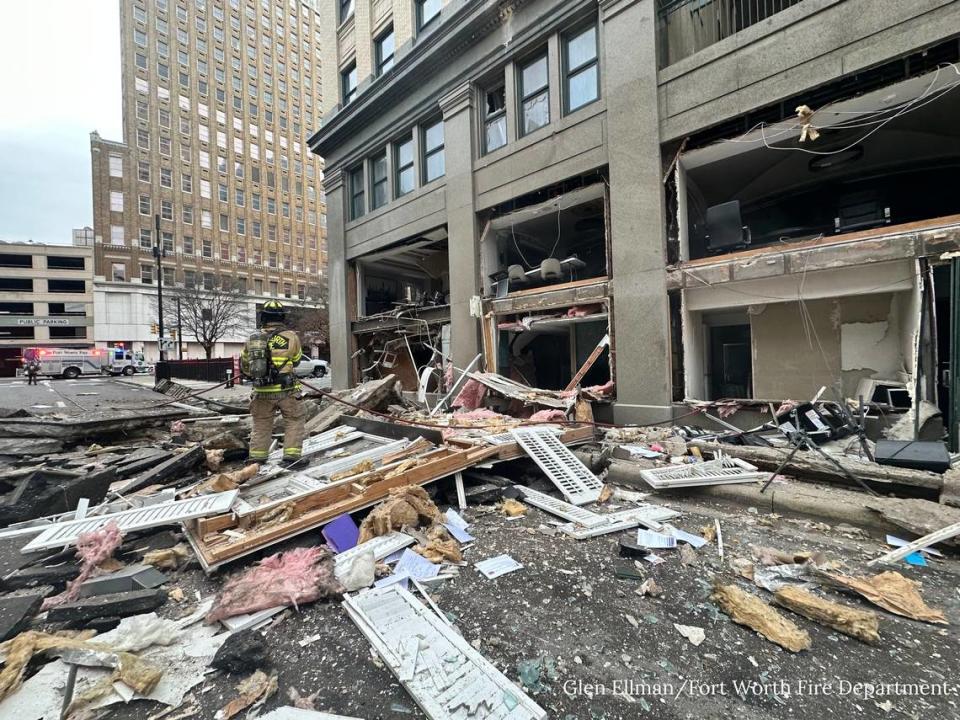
295,577
471,395
92,549
604,389
584,310
548,416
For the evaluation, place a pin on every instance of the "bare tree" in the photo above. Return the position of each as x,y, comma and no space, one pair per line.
208,312
313,326
313,323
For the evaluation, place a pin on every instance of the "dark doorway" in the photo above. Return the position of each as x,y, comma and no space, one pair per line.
731,367
9,361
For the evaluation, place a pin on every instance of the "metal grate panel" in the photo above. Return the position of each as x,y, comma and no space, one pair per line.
318,443
574,514
713,472
443,673
572,477
325,470
128,520
649,516
382,547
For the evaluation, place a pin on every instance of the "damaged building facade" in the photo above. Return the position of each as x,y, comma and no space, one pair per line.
631,188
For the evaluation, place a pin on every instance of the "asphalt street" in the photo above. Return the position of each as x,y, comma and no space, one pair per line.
74,397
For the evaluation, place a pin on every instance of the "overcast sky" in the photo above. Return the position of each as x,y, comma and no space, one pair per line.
59,80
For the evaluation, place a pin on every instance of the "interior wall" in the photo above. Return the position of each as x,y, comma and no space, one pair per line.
842,339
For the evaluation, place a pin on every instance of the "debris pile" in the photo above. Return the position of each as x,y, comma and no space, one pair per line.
181,565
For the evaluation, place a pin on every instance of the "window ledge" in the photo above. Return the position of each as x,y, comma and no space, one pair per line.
583,114
397,203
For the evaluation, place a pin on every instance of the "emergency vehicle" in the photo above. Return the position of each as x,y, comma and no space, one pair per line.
67,362
121,361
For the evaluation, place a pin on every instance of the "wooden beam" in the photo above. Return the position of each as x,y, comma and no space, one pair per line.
585,368
326,503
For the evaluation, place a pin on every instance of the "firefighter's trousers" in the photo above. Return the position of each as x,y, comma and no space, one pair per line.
263,407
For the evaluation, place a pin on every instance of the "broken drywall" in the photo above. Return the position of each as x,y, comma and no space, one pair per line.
870,346
847,339
791,359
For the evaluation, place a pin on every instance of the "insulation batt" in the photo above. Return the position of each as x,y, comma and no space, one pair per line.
471,395
92,549
604,389
583,310
295,577
548,416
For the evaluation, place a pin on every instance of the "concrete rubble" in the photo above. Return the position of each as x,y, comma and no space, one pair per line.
425,563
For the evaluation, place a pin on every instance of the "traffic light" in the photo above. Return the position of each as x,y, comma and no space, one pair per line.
154,329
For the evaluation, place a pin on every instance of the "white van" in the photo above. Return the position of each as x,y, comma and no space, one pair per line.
121,361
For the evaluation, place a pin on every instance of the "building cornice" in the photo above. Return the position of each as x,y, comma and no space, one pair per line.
332,180
612,8
462,28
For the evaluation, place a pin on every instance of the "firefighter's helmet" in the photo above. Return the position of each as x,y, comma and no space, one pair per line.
273,312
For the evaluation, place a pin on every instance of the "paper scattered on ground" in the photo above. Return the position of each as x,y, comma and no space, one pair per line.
416,566
496,566
650,539
683,536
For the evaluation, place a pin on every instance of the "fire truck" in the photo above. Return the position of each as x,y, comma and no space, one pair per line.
67,362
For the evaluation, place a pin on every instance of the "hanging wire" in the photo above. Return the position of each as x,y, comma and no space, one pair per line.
875,119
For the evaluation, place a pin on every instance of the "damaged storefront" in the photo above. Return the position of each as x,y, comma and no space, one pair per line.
816,253
401,317
546,306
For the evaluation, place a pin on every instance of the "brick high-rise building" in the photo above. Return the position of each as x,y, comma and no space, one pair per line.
218,99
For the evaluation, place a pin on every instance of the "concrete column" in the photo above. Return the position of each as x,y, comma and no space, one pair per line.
337,269
641,309
462,243
510,93
553,72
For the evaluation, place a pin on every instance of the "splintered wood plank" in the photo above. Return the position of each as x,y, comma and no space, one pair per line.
328,502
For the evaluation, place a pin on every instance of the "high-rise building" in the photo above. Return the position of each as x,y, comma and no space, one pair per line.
218,99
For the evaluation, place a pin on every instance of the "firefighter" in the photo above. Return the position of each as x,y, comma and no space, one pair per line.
33,369
268,359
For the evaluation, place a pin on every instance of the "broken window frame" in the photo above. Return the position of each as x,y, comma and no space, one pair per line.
495,117
528,303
